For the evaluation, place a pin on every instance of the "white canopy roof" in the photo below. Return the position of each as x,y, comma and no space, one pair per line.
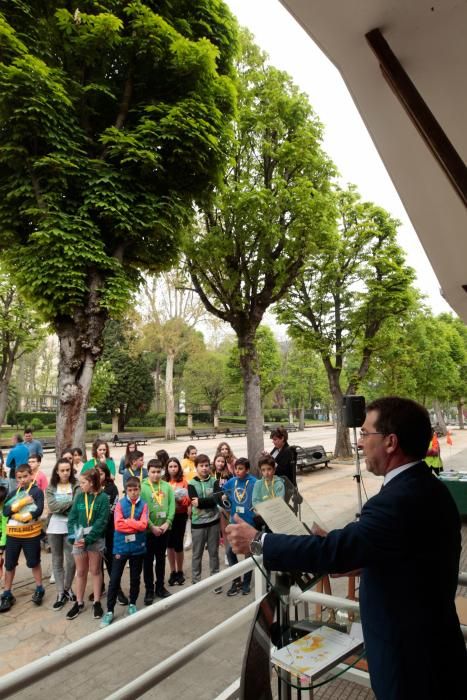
428,40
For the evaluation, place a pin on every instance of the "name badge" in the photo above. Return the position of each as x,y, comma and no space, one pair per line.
161,514
87,530
240,509
130,538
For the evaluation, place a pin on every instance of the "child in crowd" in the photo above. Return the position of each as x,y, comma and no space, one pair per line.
59,497
3,524
125,460
175,554
224,449
39,477
204,518
67,454
100,455
160,498
110,489
163,456
220,471
129,544
239,492
77,455
135,467
269,486
87,523
24,531
189,473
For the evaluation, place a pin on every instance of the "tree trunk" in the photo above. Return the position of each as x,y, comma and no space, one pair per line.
170,432
189,421
115,421
460,414
252,393
439,417
343,446
80,346
6,372
75,370
291,416
216,418
301,419
3,400
121,418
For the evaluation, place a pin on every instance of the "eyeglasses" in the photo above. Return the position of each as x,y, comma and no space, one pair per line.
365,433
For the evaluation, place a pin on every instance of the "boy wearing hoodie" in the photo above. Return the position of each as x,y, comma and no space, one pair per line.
129,544
160,498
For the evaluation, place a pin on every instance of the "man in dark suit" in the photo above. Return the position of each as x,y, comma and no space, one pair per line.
407,544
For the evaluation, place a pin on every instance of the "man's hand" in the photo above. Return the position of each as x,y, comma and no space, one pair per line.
317,530
240,535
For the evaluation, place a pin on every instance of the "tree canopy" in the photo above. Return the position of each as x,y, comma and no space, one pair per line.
114,120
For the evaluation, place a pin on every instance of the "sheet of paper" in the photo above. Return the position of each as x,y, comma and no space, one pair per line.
279,518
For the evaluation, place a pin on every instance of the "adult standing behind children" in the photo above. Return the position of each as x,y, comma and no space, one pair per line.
59,496
283,454
34,446
100,455
129,545
87,523
24,531
204,518
175,553
159,496
19,454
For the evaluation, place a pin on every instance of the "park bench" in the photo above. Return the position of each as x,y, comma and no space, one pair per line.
311,457
125,438
48,445
290,427
235,432
203,433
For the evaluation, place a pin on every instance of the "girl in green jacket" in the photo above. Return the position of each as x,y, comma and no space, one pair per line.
87,523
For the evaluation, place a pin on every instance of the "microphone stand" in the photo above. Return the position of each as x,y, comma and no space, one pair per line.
358,474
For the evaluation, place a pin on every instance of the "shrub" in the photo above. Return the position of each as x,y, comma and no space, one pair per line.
35,424
93,425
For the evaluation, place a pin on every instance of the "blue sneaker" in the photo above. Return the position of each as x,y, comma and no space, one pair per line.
132,609
107,619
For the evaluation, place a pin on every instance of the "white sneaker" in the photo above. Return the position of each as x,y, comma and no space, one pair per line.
52,578
226,561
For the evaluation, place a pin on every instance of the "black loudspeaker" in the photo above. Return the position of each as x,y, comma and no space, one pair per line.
354,411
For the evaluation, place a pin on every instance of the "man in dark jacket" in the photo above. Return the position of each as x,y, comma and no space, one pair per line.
407,544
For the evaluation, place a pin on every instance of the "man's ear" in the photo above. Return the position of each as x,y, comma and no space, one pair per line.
392,443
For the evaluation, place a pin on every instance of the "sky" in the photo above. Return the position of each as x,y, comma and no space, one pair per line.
346,139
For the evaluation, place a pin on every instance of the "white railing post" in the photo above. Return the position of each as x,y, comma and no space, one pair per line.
260,582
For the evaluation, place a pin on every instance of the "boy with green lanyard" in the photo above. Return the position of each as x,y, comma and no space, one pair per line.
159,496
205,519
269,486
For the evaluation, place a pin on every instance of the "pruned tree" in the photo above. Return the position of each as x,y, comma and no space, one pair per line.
272,211
114,120
346,294
205,381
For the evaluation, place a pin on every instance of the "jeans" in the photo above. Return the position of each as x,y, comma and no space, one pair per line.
233,559
155,549
62,555
200,537
118,566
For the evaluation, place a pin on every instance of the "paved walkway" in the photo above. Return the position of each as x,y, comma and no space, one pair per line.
27,632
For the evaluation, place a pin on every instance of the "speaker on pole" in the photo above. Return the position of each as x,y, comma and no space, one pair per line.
354,411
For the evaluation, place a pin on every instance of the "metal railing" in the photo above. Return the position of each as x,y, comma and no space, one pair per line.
27,675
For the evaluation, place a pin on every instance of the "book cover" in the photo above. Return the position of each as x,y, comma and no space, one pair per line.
315,652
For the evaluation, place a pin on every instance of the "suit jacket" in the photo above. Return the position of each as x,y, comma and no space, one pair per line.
408,544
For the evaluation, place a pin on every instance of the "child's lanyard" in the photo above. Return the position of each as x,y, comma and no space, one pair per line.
157,495
132,513
271,493
89,510
29,487
240,494
133,474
